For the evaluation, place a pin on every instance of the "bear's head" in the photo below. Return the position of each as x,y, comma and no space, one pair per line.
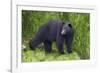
66,28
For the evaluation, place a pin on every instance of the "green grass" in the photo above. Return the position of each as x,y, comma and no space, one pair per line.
40,56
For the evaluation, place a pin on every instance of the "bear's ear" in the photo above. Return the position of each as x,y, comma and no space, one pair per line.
63,22
70,25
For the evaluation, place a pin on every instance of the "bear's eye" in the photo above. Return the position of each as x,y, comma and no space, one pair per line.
70,25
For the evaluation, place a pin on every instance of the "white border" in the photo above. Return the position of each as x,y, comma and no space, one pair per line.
17,66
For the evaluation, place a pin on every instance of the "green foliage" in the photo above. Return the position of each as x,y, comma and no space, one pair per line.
82,33
32,20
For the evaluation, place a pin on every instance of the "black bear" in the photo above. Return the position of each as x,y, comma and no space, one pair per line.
54,30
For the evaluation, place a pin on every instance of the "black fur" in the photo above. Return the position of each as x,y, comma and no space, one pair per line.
50,32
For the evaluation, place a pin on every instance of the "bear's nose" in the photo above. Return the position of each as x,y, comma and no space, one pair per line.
63,32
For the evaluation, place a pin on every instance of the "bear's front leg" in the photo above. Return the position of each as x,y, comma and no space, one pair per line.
60,42
47,46
68,43
60,48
